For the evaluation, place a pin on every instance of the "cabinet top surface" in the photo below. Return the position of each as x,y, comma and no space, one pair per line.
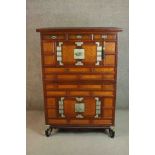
84,29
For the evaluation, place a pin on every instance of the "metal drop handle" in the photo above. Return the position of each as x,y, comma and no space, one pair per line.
53,37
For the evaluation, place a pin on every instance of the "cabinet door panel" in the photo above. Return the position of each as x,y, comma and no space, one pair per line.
68,54
107,113
70,107
48,47
75,52
51,102
110,47
52,113
109,60
49,60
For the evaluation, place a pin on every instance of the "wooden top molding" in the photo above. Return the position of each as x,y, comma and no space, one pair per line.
81,29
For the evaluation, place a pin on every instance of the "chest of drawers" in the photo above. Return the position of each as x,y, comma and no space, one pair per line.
79,72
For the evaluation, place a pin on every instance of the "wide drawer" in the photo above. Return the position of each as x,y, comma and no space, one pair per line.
49,70
50,93
74,86
75,77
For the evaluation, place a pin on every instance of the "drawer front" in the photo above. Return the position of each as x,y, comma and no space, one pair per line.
55,70
80,110
54,37
79,36
69,86
50,93
76,77
104,36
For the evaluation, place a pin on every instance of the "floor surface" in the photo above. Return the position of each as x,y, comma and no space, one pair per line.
75,142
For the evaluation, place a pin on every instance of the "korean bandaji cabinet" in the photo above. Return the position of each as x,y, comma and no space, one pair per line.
79,72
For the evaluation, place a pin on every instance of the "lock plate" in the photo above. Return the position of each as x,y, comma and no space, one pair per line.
79,54
79,107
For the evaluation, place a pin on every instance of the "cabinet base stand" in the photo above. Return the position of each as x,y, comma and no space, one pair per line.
107,130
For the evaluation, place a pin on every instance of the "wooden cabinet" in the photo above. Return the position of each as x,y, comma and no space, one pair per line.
79,69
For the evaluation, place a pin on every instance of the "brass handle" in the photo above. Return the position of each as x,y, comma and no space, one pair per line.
79,36
53,37
104,36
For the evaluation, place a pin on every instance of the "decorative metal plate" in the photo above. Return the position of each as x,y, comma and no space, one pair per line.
79,107
79,54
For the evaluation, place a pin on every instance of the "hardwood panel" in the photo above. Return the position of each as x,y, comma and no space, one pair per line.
53,70
78,70
49,77
67,77
51,102
109,60
52,113
108,102
104,70
48,47
49,60
79,93
107,113
69,108
56,93
76,121
57,121
68,54
109,47
108,77
62,86
102,122
108,87
90,86
50,86
103,93
90,53
91,77
90,107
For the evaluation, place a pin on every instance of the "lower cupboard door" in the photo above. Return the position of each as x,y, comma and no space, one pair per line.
82,110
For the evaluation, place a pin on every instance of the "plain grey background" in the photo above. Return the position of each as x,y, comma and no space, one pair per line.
75,13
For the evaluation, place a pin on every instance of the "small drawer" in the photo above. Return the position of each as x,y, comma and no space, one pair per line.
54,36
79,36
104,36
